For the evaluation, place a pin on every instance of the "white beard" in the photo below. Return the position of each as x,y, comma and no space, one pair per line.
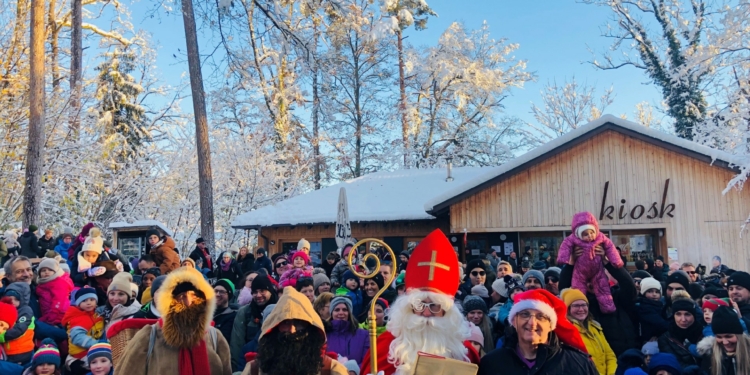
441,336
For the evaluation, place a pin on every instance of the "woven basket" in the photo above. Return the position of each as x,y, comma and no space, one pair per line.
121,333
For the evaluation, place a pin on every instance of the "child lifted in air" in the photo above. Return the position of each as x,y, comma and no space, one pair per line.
588,267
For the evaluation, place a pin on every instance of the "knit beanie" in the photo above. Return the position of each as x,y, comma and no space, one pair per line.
650,348
378,279
84,294
664,361
715,291
94,241
155,232
303,243
474,263
679,277
46,354
121,282
539,265
227,284
648,284
570,295
98,350
552,272
641,274
383,303
320,279
695,290
49,263
725,320
348,275
476,335
189,260
714,303
681,301
8,314
401,279
339,300
262,283
480,290
33,228
535,274
739,278
472,303
351,365
156,284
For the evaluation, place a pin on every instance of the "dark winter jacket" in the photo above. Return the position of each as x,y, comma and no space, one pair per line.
342,341
745,311
223,321
146,312
47,245
263,262
652,324
246,263
81,278
618,327
232,274
328,267
554,358
246,325
668,344
30,245
207,263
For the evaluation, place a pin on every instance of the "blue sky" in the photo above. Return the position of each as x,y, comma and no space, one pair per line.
555,37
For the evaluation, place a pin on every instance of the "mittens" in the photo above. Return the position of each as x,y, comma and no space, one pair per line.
96,271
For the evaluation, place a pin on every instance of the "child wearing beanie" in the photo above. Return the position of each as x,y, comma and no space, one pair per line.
46,360
350,288
649,307
53,290
91,252
300,268
100,359
85,327
18,341
120,302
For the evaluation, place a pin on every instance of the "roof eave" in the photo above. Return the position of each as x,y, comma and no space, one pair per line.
445,205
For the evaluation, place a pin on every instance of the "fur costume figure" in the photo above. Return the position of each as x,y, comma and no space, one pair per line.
184,342
589,267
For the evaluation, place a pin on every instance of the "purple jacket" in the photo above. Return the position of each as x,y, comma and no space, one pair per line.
342,342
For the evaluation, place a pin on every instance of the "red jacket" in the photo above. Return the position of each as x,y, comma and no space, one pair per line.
54,299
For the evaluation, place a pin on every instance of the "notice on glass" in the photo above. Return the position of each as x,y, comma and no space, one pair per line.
508,247
672,254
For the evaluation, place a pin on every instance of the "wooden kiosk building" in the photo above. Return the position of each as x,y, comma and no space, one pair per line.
653,193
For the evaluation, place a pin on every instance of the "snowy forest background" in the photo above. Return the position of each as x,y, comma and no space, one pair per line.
305,93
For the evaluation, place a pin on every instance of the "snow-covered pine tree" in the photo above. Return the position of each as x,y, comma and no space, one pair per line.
665,35
118,105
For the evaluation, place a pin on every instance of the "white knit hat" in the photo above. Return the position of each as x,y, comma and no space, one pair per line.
650,283
476,335
94,241
303,243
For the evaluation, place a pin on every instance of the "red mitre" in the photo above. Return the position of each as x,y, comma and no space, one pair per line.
433,266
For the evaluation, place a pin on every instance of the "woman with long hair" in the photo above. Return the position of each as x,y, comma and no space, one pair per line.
475,311
728,352
245,260
591,332
344,336
684,329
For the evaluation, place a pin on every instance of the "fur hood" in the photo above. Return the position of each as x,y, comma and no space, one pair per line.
176,332
706,345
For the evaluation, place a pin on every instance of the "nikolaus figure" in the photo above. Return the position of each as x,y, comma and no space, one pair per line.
426,318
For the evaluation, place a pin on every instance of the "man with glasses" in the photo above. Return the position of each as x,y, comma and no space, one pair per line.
552,280
637,277
224,314
689,269
543,340
426,318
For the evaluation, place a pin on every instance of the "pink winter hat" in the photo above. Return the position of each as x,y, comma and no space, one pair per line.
303,255
582,221
476,334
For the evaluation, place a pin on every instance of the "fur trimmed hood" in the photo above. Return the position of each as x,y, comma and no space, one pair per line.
200,323
706,345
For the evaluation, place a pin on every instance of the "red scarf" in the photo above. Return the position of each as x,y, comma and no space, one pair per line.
193,361
208,258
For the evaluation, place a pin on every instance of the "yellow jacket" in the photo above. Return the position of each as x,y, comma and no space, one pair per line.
598,347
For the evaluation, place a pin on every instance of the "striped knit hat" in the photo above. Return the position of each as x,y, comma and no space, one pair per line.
714,303
47,353
84,294
100,349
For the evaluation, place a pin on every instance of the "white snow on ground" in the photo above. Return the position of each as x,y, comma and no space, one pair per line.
558,142
381,196
140,223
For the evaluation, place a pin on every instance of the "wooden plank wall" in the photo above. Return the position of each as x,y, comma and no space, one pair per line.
547,195
380,230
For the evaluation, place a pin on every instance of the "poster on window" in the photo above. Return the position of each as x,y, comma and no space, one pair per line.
508,248
672,254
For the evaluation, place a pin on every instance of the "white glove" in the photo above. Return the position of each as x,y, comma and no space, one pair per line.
96,271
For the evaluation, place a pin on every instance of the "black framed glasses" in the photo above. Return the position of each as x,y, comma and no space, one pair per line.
478,273
281,264
552,279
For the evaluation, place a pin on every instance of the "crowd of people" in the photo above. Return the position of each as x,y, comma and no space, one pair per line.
255,313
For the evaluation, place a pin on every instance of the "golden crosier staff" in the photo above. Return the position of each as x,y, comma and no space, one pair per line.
371,315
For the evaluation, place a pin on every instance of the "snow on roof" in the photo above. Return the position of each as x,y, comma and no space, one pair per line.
380,196
494,172
140,223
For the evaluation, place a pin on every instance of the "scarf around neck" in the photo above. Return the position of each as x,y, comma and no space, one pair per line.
225,266
192,361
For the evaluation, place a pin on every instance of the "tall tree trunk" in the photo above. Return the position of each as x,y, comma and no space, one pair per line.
205,183
54,32
32,195
316,113
402,101
76,66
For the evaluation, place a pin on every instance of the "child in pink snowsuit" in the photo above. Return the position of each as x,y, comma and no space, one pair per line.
589,267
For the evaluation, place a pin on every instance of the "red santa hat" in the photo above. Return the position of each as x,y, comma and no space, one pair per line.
554,308
433,266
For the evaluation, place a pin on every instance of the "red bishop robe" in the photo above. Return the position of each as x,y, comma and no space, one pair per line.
384,345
